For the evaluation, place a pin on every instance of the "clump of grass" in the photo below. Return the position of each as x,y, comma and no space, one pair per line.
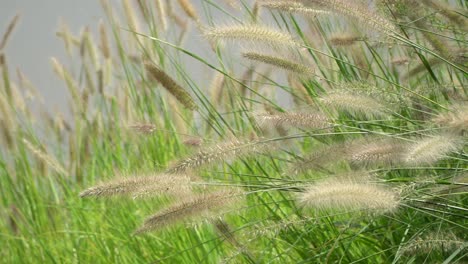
171,85
202,206
94,143
349,196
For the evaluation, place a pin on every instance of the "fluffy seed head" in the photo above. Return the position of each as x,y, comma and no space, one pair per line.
144,128
189,9
142,186
344,40
201,206
374,153
11,26
47,158
292,7
399,61
431,149
220,152
253,34
354,103
355,11
105,47
348,195
171,85
279,62
293,119
430,242
193,142
455,120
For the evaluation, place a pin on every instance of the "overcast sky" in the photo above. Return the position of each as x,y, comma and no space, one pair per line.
34,41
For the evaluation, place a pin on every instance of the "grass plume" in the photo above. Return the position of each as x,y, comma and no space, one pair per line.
221,152
189,9
292,7
47,158
355,103
253,34
428,243
431,149
355,11
455,120
294,119
349,195
171,85
200,206
279,62
144,128
142,186
375,152
10,28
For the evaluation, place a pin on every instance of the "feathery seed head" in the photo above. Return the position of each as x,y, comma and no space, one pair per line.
105,47
11,26
193,142
456,120
374,153
344,40
355,11
279,62
349,195
200,206
171,85
189,9
292,6
142,186
253,34
221,152
431,149
427,243
399,61
144,128
45,157
355,103
293,119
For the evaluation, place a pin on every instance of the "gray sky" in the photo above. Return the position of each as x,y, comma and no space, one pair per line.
34,41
